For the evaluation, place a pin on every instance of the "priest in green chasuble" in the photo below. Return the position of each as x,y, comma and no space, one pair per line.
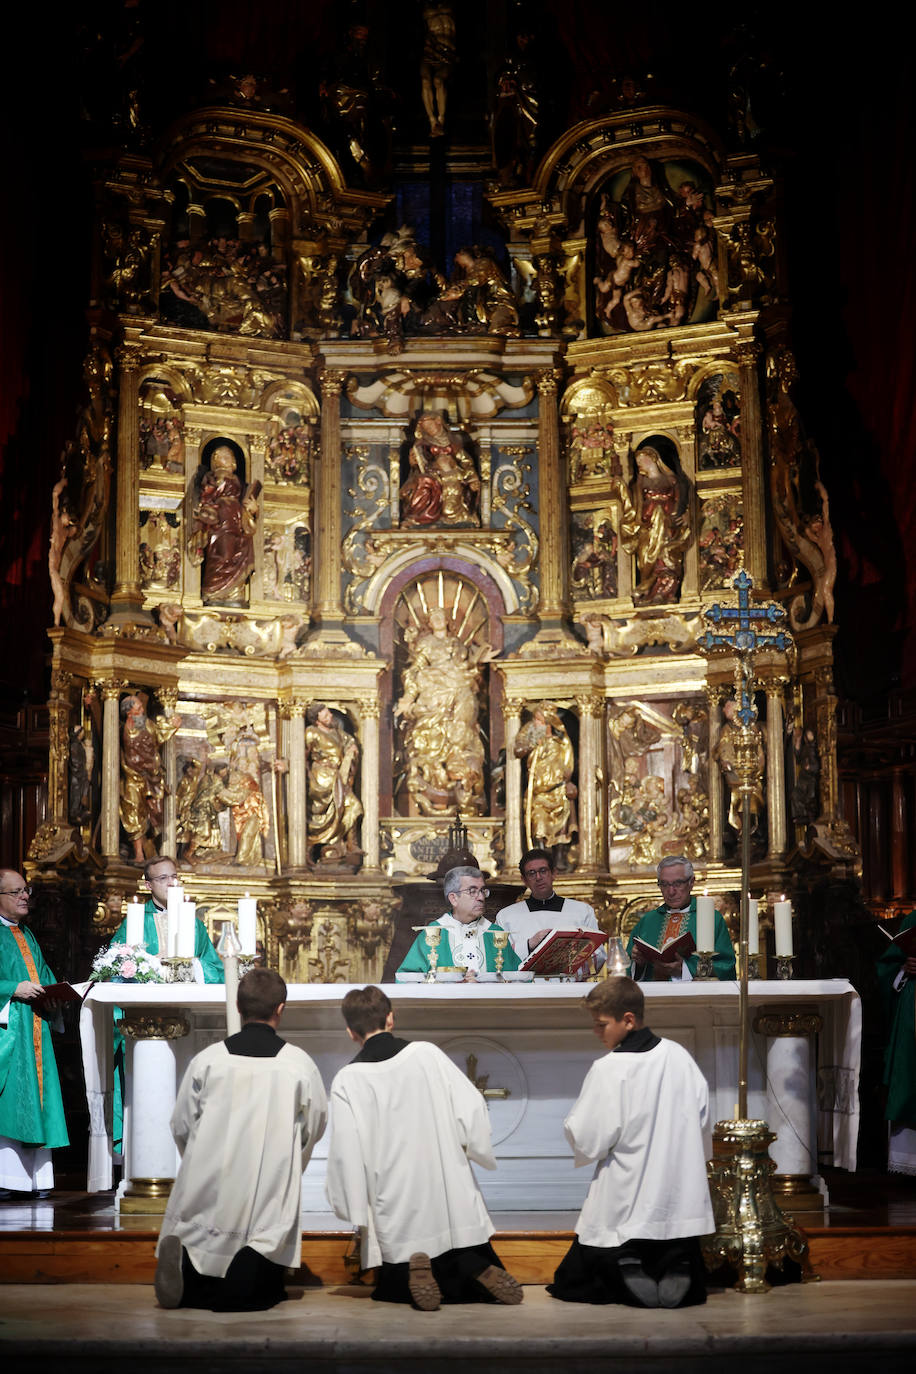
31,1109
463,941
677,915
897,979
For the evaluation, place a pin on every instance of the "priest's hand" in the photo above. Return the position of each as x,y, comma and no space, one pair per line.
535,940
909,966
470,977
27,992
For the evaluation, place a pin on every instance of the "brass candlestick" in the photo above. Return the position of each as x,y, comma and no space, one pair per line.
179,970
784,966
704,973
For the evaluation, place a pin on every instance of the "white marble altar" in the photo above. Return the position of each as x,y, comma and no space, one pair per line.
533,1045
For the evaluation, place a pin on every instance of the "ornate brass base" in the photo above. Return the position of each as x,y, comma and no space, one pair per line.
751,1232
797,1192
146,1197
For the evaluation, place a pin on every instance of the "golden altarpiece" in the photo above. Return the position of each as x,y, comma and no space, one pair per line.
343,548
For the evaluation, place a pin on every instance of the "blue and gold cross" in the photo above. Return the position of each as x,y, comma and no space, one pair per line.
741,636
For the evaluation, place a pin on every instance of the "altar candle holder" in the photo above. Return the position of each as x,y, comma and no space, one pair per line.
704,973
179,970
784,966
432,935
500,942
753,966
247,962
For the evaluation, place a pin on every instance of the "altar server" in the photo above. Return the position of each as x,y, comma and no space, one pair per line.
530,921
405,1122
641,1115
31,1109
248,1114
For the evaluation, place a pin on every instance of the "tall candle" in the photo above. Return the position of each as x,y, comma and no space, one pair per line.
706,924
782,919
753,927
174,897
248,924
187,929
133,935
228,949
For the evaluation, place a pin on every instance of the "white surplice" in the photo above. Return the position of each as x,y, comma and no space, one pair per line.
246,1128
641,1116
402,1132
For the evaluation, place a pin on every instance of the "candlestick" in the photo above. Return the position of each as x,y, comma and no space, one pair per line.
187,930
174,897
248,924
782,919
133,934
706,924
753,927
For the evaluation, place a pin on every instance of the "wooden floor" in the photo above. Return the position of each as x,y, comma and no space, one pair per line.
868,1231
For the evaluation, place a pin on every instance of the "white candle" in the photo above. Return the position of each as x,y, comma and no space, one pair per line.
782,919
753,927
248,924
187,930
706,924
174,896
133,934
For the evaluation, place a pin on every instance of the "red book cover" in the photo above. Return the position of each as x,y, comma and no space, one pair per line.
564,951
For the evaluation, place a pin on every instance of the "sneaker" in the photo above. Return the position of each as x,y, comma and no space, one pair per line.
637,1282
169,1281
501,1285
674,1285
422,1284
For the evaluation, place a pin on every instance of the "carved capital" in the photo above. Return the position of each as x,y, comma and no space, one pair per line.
333,381
370,708
591,705
748,353
109,689
548,380
61,681
168,699
155,1025
296,708
513,706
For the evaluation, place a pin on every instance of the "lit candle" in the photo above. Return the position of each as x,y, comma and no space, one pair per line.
133,934
174,897
753,927
782,919
706,924
187,929
248,924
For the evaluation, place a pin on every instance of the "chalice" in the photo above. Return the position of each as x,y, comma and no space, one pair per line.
432,935
500,940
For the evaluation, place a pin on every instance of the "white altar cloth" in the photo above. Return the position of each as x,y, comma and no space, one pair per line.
533,1044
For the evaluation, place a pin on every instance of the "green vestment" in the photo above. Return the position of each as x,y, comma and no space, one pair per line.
900,1057
417,958
26,1115
651,926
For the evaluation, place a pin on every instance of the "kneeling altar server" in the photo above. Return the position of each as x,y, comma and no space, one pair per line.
248,1114
640,1114
405,1122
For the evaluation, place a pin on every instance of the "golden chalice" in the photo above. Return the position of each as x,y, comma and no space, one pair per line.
500,940
432,935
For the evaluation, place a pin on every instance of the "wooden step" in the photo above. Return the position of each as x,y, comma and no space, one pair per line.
837,1252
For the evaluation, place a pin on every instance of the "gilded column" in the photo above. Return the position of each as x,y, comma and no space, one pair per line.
776,770
552,504
753,465
111,765
512,711
369,717
168,700
296,820
714,697
59,709
328,605
589,726
127,598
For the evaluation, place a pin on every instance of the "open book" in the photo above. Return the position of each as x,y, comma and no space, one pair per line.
564,951
60,992
644,953
905,940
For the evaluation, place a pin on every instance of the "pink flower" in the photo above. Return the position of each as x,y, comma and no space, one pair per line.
128,969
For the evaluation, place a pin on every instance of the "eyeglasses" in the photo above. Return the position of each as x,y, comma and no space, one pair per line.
675,882
15,891
474,892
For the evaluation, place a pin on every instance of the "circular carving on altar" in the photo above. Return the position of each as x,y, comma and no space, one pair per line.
500,1077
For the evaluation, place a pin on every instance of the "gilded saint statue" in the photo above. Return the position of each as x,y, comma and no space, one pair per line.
443,487
441,750
655,526
142,775
550,793
334,809
222,529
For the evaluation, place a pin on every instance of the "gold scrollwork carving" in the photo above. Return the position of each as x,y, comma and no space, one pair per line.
795,1023
155,1025
637,386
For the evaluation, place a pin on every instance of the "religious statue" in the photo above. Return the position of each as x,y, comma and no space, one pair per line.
142,775
516,115
726,754
550,812
443,487
242,791
804,773
478,299
332,756
358,109
223,526
439,54
199,805
78,777
655,525
441,750
63,529
594,561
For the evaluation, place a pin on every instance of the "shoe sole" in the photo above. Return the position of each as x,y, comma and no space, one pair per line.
638,1284
501,1285
673,1289
169,1280
422,1284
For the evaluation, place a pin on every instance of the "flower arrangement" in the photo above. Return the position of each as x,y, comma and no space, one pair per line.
127,964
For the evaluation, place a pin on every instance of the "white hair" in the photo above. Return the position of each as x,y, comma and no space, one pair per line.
454,875
673,859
